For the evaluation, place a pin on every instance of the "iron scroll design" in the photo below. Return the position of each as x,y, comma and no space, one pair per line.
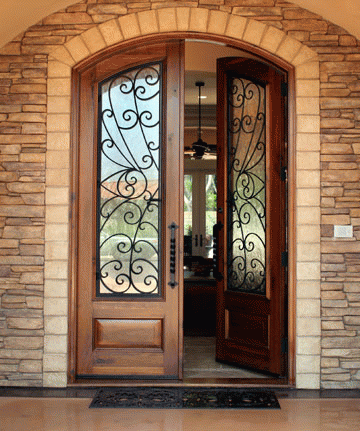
129,188
246,203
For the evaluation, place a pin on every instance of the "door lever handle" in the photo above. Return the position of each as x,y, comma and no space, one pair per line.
172,282
201,240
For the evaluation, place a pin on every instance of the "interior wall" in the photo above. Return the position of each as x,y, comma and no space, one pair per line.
35,136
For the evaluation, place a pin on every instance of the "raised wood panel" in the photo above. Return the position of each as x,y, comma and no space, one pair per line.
128,333
253,329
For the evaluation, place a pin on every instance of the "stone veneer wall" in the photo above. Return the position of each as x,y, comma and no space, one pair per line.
35,72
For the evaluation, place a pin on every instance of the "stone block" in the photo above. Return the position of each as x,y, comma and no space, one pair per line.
198,19
57,250
56,288
308,234
340,175
308,363
62,55
24,323
288,48
308,380
308,160
58,123
55,344
148,22
77,48
236,26
54,363
308,307
58,141
308,106
28,366
167,19
59,87
55,325
32,278
309,197
308,326
129,26
52,380
58,105
307,289
183,18
308,179
111,32
56,270
28,343
35,302
308,345
308,252
55,306
308,215
254,31
56,232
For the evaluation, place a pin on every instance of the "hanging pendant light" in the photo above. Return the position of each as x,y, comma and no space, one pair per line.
199,147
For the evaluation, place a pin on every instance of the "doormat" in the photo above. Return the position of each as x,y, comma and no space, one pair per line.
184,398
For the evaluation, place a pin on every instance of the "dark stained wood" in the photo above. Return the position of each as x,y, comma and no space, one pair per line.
251,327
130,336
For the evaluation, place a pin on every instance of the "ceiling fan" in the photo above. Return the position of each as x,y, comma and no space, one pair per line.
199,148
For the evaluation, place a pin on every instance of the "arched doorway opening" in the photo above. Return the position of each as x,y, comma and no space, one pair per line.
107,328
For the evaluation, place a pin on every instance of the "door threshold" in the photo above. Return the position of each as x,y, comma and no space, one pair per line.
199,382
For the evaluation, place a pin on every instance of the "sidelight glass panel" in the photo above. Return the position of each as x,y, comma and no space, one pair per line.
247,171
129,183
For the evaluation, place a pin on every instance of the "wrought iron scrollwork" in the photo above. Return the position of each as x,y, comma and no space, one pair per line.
129,182
246,206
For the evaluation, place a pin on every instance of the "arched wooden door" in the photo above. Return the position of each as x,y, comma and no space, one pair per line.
126,317
128,215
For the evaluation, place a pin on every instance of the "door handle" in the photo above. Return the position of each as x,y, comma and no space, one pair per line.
201,240
216,268
196,240
172,282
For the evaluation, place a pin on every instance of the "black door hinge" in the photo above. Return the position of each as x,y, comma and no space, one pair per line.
284,345
284,258
284,89
283,173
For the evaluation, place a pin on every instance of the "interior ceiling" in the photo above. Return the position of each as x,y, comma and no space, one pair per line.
17,15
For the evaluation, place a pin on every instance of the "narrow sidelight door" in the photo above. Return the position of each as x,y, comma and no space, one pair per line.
129,195
251,228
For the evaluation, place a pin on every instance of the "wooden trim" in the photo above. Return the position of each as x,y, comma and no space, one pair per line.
291,227
73,228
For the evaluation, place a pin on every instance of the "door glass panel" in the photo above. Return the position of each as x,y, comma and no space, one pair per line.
188,183
210,221
246,206
129,183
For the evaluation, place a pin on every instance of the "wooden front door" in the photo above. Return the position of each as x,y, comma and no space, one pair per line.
251,229
128,194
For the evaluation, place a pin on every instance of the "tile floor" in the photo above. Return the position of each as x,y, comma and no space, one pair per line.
199,362
73,414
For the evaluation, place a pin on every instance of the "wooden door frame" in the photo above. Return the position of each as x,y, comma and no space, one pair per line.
291,196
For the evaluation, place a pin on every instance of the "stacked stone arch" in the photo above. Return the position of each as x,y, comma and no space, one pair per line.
205,23
325,65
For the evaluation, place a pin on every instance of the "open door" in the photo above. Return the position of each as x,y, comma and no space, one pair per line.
129,201
251,229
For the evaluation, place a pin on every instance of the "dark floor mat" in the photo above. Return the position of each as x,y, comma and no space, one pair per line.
184,398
